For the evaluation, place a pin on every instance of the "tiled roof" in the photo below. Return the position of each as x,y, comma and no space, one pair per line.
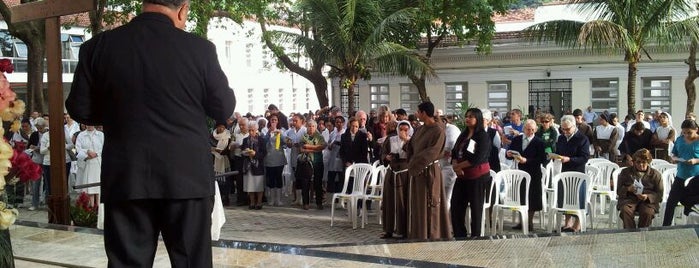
81,20
515,15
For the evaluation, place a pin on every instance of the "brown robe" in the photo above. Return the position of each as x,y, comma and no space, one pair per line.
428,215
394,214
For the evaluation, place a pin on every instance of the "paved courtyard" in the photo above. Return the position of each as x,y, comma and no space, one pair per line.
291,237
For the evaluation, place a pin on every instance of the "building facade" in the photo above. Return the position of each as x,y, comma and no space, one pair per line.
519,74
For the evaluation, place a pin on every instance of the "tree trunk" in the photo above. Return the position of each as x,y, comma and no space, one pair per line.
692,75
419,83
35,74
631,90
315,75
350,95
96,17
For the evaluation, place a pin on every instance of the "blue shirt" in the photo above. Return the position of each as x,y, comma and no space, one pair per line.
686,151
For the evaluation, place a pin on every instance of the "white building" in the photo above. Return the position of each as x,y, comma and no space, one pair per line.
518,74
250,66
252,71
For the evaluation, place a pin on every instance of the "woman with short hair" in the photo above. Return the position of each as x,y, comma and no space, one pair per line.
254,151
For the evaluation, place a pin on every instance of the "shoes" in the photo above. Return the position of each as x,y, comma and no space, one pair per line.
32,208
258,207
251,207
386,236
320,207
305,207
567,230
517,227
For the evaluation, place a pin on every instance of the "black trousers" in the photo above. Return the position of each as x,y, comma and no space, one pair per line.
467,193
676,194
131,230
317,185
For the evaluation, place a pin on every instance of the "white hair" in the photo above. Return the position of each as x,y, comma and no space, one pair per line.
311,122
252,124
568,120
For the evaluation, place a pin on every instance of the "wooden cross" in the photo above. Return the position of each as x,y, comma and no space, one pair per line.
51,11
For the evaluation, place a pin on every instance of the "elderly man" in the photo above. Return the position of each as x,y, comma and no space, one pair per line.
574,149
530,156
640,189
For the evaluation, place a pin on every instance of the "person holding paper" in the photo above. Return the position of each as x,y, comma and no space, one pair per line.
639,189
470,162
573,150
514,128
528,151
686,154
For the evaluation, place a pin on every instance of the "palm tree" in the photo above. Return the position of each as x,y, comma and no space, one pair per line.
625,25
350,36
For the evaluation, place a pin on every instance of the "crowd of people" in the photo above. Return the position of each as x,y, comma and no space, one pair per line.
436,170
83,157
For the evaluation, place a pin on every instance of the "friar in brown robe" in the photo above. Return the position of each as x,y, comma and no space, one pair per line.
429,217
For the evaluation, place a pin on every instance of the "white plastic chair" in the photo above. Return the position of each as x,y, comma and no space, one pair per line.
668,178
374,188
601,186
656,161
512,200
612,203
662,167
487,204
361,172
596,160
572,181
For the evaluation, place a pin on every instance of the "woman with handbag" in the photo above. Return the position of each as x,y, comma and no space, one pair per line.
312,144
254,151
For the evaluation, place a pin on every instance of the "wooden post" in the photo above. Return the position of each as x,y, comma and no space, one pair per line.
51,10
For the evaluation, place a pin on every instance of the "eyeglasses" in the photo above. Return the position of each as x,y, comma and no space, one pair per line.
566,129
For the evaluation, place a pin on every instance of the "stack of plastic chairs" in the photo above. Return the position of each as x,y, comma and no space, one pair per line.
361,172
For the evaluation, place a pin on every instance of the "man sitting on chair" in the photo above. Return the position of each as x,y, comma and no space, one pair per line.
640,189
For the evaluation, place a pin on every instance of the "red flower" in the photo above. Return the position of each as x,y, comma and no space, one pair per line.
23,167
6,66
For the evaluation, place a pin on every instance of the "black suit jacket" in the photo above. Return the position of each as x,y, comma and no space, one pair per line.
152,86
354,151
534,154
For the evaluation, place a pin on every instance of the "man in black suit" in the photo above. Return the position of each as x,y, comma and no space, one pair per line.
531,157
152,86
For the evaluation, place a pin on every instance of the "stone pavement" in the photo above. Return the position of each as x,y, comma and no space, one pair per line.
291,237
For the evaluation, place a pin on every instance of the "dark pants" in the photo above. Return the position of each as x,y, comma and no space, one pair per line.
335,181
46,170
131,230
676,194
317,185
646,212
468,193
241,197
274,177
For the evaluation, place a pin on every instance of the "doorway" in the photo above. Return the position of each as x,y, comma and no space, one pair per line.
550,95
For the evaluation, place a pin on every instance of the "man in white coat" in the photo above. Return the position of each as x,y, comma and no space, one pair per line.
89,145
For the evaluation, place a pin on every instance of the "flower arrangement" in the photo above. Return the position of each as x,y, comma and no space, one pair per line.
8,215
83,212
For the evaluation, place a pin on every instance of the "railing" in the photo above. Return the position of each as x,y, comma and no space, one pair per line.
21,65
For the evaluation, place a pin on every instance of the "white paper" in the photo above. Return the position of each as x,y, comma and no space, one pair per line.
639,186
507,130
471,148
514,153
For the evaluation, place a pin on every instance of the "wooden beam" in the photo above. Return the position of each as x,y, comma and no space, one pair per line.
50,8
58,200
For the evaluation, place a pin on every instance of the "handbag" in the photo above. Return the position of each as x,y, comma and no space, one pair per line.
72,155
